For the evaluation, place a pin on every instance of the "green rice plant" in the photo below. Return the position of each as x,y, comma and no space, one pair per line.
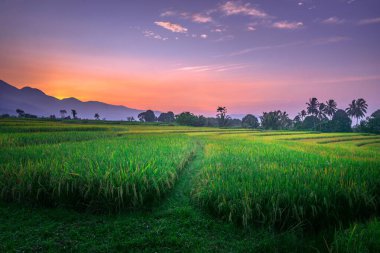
363,238
348,139
25,139
120,173
284,184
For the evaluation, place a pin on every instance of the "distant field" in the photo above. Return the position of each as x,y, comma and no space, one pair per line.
292,183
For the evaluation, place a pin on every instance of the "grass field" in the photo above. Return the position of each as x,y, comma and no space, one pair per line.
93,187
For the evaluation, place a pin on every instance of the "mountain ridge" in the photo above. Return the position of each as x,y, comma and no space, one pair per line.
37,102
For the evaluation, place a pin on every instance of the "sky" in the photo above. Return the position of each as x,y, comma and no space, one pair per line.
181,55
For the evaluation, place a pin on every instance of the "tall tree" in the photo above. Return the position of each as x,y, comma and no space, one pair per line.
222,115
74,113
284,120
271,120
357,109
63,113
97,116
302,115
321,111
20,113
312,108
331,107
250,121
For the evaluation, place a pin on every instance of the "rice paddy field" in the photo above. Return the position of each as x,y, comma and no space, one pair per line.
101,187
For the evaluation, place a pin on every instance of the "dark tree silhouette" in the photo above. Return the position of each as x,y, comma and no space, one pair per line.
250,121
189,119
147,116
331,107
130,118
321,111
20,113
271,120
372,124
302,115
63,113
341,122
97,116
357,109
312,108
166,117
222,115
74,113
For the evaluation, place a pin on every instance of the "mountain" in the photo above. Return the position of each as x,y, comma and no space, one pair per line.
34,101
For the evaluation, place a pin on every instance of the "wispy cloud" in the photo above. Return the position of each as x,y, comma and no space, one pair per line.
329,40
349,79
152,35
251,28
287,25
169,13
237,7
369,21
201,18
314,42
225,38
213,68
176,28
333,21
204,36
262,48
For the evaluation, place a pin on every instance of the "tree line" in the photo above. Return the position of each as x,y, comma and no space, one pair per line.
317,116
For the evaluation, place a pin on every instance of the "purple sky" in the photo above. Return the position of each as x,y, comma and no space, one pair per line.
251,56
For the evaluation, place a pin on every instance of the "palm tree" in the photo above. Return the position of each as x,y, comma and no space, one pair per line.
362,107
97,116
312,108
301,115
331,107
321,111
357,109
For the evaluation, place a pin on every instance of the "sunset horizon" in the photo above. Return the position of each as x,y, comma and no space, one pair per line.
250,56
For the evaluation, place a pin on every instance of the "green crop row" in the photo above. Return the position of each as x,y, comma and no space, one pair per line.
285,184
113,174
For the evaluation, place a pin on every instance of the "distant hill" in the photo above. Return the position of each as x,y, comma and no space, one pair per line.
34,101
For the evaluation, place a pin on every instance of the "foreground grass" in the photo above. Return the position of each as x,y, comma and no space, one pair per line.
273,183
287,184
113,174
175,225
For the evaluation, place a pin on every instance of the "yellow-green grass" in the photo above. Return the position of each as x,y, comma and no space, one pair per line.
287,183
38,138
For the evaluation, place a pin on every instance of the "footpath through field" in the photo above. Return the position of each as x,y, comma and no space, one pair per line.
175,225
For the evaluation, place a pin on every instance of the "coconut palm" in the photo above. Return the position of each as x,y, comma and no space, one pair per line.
301,115
357,109
331,107
321,111
312,108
